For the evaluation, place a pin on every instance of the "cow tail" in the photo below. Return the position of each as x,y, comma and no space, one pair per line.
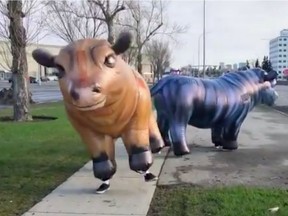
158,86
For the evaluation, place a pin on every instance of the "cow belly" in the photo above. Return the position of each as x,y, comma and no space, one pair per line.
199,122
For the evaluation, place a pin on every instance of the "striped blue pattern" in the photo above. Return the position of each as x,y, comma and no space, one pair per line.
222,103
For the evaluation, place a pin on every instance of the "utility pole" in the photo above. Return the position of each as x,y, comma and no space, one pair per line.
204,36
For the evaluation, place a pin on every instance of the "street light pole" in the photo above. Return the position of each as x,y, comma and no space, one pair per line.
39,66
204,36
199,54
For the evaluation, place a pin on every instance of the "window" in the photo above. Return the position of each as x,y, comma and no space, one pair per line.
279,66
280,61
285,39
285,44
280,50
280,44
284,55
280,55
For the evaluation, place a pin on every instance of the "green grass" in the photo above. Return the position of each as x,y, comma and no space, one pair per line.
224,201
36,157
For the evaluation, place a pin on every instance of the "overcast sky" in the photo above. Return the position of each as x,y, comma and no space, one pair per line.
236,29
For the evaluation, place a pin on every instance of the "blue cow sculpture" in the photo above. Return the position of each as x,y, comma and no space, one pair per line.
221,104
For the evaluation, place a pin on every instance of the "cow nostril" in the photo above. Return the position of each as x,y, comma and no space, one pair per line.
74,95
96,88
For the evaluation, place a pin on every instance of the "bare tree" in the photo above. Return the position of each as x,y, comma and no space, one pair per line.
109,14
19,68
159,54
32,22
71,21
74,20
32,18
146,21
19,25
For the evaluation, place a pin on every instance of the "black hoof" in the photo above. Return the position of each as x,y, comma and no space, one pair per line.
217,144
230,145
103,168
150,177
140,160
179,149
156,144
167,143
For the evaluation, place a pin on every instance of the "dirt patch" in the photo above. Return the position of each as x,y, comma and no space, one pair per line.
283,109
261,159
35,118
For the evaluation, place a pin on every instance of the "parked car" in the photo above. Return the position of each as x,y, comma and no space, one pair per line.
52,78
31,80
44,79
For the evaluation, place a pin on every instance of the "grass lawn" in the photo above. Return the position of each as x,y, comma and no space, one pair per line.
36,157
226,201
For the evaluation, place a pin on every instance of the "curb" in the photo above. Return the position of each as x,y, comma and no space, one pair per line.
275,110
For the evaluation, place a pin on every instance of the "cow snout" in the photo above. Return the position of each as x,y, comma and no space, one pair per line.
74,94
96,88
87,92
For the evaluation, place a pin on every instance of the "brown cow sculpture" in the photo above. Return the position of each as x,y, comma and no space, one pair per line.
106,99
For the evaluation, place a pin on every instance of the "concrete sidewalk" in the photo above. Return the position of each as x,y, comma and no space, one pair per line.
261,159
129,193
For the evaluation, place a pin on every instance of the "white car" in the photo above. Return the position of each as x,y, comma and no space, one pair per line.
52,78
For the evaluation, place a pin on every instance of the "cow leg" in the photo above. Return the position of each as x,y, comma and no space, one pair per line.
231,131
178,124
102,152
162,120
155,138
177,132
230,135
136,135
183,107
217,136
163,124
138,149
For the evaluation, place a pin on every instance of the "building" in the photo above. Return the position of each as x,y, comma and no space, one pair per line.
34,69
222,65
278,53
235,66
242,64
228,67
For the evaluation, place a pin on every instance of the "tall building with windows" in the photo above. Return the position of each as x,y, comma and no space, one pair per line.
278,52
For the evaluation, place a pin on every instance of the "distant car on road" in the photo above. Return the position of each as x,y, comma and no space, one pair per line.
44,79
31,80
52,78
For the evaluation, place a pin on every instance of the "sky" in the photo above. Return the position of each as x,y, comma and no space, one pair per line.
236,30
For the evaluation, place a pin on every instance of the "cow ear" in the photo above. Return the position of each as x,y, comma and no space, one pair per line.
270,76
43,57
122,43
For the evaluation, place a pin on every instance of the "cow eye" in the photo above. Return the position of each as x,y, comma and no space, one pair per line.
60,71
110,61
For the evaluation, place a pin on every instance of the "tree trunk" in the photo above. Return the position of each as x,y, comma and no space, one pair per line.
20,78
110,29
139,61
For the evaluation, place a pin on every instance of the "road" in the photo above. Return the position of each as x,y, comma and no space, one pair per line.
46,92
49,92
